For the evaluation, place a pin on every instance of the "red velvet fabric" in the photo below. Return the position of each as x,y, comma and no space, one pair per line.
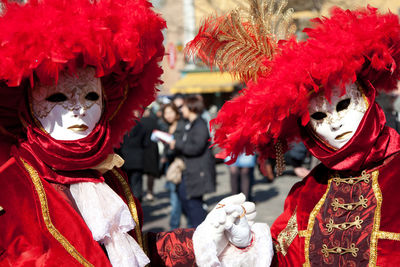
25,237
65,162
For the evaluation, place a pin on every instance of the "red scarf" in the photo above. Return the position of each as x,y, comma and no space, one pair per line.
66,162
372,143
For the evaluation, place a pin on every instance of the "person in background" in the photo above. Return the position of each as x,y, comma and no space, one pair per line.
132,150
199,174
205,114
151,162
242,175
296,157
171,116
178,100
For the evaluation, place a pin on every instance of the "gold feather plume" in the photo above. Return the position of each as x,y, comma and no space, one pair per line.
241,40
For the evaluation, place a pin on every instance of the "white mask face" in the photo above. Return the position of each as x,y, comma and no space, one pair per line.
71,109
337,122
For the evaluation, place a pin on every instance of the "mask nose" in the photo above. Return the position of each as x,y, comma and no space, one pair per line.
79,110
335,126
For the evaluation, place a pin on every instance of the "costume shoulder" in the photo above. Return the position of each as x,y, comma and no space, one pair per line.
17,240
37,226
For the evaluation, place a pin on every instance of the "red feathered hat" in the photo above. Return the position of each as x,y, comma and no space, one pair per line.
122,39
351,45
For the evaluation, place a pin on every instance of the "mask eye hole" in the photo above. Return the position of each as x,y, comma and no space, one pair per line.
57,97
92,96
318,116
342,105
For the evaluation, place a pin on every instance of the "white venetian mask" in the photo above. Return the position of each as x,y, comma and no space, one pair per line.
337,122
71,109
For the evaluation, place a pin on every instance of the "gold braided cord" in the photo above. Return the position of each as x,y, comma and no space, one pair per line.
377,220
47,219
241,40
388,235
131,205
339,250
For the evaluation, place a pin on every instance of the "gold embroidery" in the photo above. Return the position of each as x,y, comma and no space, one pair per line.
47,219
377,219
286,237
345,225
310,226
353,180
349,206
131,205
339,250
388,235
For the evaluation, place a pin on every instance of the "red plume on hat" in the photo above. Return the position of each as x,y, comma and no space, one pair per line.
351,45
121,39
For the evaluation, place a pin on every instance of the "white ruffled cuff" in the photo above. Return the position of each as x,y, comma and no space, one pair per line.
259,253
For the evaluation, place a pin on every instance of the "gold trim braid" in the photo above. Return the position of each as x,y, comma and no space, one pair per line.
377,220
131,205
389,235
47,219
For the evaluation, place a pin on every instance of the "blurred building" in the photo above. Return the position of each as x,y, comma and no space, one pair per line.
183,20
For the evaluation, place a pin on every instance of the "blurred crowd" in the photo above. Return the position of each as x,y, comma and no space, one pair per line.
172,141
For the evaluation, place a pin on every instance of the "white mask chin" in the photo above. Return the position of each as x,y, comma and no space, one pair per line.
71,109
337,122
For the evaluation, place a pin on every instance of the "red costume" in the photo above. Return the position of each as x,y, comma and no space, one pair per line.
345,212
40,224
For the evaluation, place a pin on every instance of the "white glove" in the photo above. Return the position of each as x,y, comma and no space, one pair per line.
214,224
232,220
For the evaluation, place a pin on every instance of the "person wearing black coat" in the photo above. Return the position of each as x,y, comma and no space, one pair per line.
199,174
151,164
132,151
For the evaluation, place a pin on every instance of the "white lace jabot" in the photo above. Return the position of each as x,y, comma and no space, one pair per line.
109,220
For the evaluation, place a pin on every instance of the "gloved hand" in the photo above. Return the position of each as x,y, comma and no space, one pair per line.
237,228
229,221
217,218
